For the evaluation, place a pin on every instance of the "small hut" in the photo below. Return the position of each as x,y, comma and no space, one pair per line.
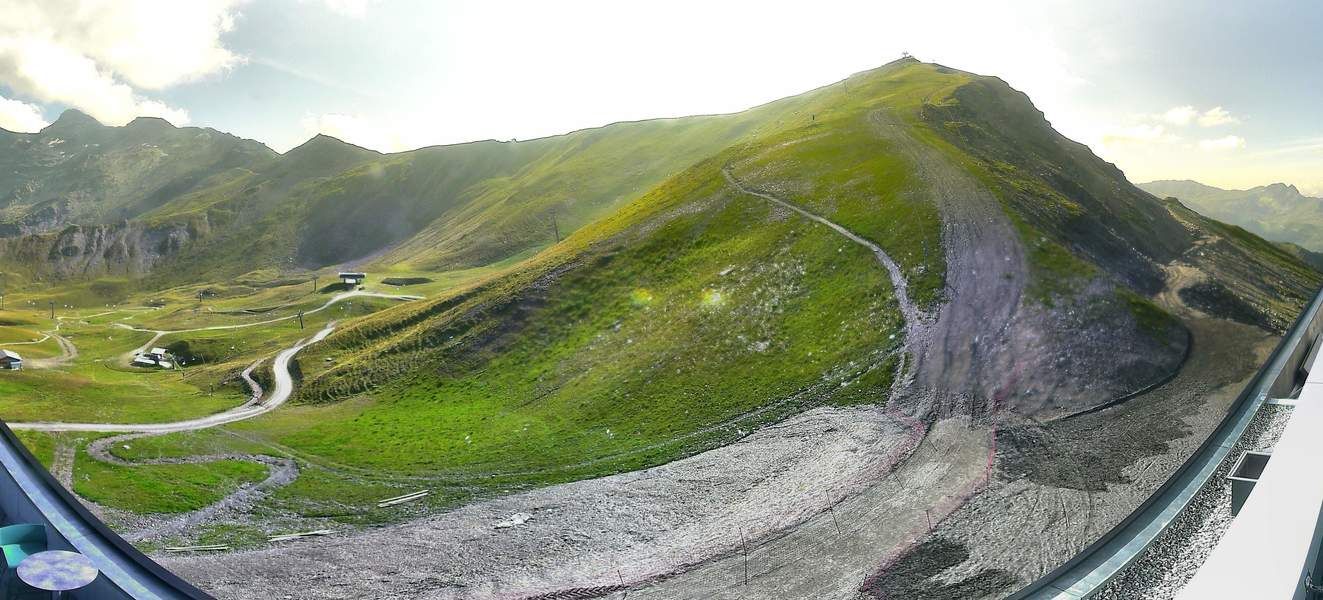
10,360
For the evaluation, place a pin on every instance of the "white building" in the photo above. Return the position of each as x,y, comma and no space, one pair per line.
10,360
156,357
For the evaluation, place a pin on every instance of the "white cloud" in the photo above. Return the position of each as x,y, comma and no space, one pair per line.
1230,142
1216,116
20,116
1139,134
96,55
356,9
153,44
1180,115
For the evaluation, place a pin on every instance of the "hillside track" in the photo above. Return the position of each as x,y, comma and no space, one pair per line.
961,356
962,366
900,287
68,352
281,471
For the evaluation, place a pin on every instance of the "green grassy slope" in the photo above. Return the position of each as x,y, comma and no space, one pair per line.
690,310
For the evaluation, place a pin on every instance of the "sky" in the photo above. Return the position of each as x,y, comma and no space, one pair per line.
1226,93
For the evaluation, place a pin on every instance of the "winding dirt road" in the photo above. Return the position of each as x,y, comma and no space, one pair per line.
284,386
128,356
281,471
68,352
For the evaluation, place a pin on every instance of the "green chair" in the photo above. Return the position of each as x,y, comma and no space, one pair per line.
23,533
21,541
18,542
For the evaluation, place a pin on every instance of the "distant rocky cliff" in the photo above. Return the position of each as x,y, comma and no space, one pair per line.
124,249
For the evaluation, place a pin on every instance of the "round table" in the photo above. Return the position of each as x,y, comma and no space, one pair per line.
57,571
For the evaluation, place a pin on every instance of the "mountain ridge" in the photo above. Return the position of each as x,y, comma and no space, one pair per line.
1277,211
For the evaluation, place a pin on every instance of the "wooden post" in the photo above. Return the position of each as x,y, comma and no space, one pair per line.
300,319
745,544
52,310
314,283
555,226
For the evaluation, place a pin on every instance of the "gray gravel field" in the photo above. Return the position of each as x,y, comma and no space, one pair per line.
1175,556
646,523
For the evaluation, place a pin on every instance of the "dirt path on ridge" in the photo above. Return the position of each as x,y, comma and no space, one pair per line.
900,288
68,352
985,277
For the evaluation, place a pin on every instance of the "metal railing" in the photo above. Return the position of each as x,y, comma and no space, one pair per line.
1092,568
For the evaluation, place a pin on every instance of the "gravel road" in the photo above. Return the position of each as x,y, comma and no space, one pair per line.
280,392
127,357
648,523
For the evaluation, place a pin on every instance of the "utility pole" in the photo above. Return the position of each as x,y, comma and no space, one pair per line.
314,284
52,310
555,226
300,319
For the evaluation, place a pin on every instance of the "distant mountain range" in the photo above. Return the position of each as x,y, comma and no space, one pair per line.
1278,212
83,200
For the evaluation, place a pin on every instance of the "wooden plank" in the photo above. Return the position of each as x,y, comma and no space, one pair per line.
402,499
